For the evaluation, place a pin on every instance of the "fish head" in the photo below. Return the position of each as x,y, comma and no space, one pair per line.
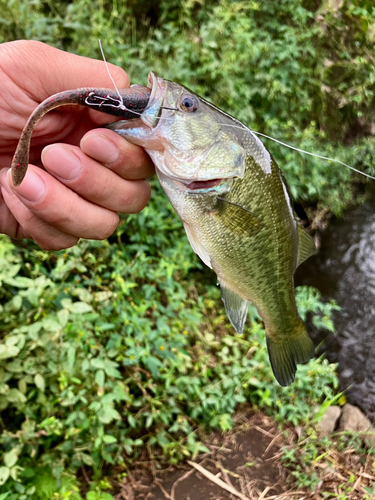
187,138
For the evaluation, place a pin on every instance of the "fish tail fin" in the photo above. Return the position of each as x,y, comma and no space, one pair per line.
287,353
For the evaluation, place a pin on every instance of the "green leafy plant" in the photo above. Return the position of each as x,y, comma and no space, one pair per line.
97,364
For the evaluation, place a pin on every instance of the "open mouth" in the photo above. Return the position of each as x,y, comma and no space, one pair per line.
203,184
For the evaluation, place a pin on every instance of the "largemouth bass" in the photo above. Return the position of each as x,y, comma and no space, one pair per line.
235,206
230,194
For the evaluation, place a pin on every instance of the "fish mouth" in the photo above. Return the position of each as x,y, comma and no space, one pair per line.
203,185
152,113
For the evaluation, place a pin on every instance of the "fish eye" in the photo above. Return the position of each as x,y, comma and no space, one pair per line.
189,103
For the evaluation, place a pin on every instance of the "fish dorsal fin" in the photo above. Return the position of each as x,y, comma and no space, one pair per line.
196,245
306,245
236,218
235,306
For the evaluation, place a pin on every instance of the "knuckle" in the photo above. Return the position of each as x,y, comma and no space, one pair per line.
135,202
108,228
60,218
103,189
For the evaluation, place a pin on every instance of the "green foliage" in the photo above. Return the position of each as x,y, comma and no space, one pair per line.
112,345
315,460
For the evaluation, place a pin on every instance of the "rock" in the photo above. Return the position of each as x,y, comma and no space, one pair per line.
328,423
352,419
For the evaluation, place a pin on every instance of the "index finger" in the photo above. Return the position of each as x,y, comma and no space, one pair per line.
127,160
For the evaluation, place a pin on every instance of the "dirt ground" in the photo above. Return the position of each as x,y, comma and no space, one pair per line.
247,462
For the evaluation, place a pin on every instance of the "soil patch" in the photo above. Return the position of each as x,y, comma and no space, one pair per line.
246,464
245,460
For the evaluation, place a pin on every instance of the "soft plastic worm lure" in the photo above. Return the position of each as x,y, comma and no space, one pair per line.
125,103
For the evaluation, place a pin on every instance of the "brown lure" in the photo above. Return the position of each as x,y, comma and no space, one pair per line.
127,103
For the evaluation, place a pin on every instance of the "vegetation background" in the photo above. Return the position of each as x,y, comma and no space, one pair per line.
116,346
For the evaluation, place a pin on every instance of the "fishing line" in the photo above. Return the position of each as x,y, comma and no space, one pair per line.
313,154
299,150
122,106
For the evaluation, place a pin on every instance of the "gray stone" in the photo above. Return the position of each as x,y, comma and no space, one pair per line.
328,423
352,419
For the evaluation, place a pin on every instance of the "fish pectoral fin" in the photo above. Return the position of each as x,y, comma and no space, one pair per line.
285,355
196,245
306,245
236,218
235,306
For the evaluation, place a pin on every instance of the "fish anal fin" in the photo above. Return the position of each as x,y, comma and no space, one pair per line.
285,355
196,245
306,245
235,306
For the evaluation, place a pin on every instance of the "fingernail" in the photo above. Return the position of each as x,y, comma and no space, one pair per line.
100,148
61,161
32,187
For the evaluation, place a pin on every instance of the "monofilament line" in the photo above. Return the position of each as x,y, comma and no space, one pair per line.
301,150
313,154
110,76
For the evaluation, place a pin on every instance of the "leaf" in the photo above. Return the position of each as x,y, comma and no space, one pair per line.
15,396
8,351
4,474
40,382
106,496
22,386
109,439
63,317
203,448
14,475
107,414
102,296
16,303
51,325
97,363
86,459
34,329
10,458
132,421
152,364
71,357
99,378
80,307
149,420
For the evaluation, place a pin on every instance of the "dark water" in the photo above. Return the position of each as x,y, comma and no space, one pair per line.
344,270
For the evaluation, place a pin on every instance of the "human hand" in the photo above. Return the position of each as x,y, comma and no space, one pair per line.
86,180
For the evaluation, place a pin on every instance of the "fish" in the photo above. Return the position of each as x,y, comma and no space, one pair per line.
233,201
236,209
